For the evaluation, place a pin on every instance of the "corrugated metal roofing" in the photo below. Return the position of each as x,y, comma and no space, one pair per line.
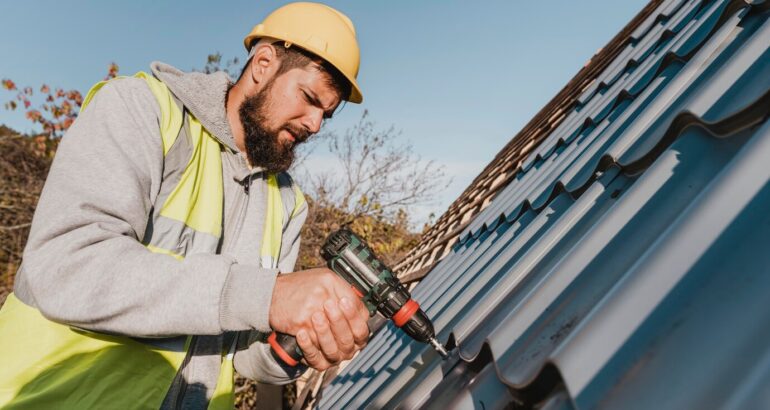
438,241
626,265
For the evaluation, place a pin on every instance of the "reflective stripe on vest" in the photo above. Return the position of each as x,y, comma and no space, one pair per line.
46,364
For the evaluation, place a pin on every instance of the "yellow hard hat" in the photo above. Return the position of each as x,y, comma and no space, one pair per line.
319,29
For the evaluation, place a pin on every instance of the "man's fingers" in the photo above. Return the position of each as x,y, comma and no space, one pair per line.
356,314
340,329
344,290
329,335
313,356
356,322
326,338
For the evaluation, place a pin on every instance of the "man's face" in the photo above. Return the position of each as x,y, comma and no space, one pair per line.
288,109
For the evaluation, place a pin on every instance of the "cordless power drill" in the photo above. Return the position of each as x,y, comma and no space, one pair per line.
349,257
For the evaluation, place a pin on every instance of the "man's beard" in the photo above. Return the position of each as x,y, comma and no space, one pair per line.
263,147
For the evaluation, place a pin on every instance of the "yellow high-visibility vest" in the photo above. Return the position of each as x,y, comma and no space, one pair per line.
50,365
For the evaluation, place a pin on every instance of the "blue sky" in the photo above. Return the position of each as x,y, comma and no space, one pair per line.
458,78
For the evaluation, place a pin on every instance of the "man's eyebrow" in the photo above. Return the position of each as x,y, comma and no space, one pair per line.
315,101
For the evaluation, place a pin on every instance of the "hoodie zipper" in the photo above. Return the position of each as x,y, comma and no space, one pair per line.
243,207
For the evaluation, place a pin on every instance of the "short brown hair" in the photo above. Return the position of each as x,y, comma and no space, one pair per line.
295,57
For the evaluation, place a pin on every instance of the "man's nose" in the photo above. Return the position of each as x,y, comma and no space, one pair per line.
312,122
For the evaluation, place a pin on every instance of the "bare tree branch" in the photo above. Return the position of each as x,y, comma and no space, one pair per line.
378,175
15,227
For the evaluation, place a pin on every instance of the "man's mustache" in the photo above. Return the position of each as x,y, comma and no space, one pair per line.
300,134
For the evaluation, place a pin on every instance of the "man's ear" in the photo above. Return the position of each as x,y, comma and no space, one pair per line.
264,59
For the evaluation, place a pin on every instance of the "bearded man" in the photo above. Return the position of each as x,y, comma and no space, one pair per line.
162,250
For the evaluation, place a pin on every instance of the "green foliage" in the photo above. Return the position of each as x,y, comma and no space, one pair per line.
390,239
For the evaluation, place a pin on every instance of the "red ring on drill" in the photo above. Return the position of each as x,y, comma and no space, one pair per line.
280,352
356,291
406,312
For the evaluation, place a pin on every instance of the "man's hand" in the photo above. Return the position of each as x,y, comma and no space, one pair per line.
323,312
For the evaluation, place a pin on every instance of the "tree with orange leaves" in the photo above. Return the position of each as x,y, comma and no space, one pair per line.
58,108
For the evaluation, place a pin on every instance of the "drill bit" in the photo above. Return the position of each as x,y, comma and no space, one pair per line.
439,347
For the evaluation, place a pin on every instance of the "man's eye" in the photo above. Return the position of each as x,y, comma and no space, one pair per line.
312,101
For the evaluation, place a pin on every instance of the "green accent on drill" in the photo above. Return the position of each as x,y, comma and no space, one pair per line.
364,253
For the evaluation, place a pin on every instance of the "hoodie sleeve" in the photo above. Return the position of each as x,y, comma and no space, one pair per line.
255,361
84,264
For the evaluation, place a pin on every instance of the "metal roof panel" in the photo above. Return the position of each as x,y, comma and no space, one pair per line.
625,266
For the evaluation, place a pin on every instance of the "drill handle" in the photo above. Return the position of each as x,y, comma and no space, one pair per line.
285,348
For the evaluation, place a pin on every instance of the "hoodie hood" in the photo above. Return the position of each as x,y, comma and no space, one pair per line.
203,95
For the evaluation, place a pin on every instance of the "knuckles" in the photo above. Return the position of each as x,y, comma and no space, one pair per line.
317,287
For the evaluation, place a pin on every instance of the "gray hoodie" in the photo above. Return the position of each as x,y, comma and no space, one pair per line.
84,264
